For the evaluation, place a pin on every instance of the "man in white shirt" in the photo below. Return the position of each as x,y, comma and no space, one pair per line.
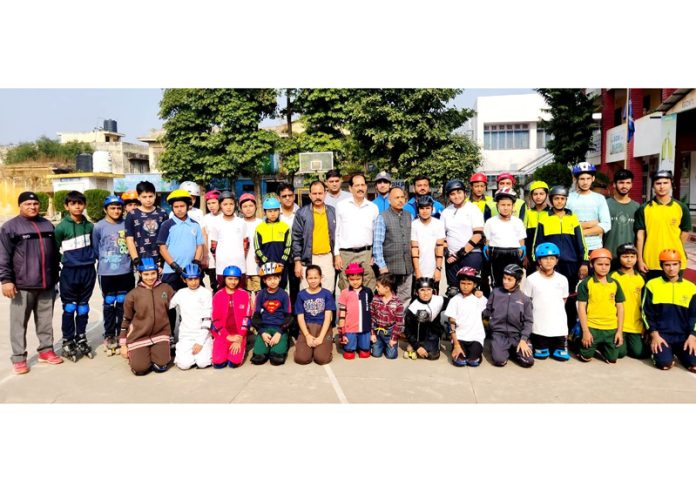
427,242
228,240
334,193
355,219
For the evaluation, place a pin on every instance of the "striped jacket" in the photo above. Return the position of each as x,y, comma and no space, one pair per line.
75,242
272,242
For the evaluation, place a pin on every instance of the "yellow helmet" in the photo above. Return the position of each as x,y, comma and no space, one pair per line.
538,185
179,195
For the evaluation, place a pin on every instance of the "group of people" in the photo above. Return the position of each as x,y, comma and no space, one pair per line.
569,271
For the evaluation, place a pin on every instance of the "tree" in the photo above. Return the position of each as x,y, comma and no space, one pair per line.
213,133
554,174
46,149
571,124
458,159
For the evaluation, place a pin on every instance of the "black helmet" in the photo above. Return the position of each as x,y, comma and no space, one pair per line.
662,173
626,248
514,271
425,282
453,185
424,201
558,190
226,194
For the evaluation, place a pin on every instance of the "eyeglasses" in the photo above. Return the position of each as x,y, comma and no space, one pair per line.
286,196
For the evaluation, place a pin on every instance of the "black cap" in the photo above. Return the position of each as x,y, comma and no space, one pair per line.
26,196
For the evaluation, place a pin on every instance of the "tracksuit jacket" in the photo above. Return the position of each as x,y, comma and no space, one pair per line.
303,230
28,255
272,241
565,232
75,241
145,316
670,308
510,313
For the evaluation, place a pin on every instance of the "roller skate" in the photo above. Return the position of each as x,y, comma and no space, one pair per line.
70,351
111,346
83,348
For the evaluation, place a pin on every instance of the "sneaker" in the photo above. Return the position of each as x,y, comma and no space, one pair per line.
20,367
410,354
50,357
363,354
349,355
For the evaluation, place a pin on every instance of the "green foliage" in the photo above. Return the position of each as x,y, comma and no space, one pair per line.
571,124
214,133
59,202
458,159
43,202
554,174
95,200
46,149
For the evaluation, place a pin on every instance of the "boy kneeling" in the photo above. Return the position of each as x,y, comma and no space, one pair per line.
423,327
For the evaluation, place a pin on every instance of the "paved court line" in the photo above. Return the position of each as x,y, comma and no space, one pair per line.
334,382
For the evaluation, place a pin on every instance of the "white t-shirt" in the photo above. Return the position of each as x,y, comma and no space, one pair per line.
504,233
466,311
229,235
427,235
460,224
206,225
251,267
547,294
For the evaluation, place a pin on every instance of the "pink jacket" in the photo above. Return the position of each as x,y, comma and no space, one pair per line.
243,309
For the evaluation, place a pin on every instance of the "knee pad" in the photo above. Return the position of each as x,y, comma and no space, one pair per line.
277,359
109,299
70,307
82,309
158,368
121,297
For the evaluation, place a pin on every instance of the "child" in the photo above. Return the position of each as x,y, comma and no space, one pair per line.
354,320
232,309
212,203
464,316
74,239
247,204
511,320
548,291
227,235
315,307
142,225
273,238
130,201
539,192
600,309
387,313
669,306
195,347
145,330
427,243
272,318
632,285
505,236
115,270
422,322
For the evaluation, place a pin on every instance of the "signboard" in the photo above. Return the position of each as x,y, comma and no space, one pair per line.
130,181
616,144
669,140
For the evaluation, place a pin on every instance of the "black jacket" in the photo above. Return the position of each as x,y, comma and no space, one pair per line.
429,325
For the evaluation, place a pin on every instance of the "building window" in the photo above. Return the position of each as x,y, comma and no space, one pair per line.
506,137
542,138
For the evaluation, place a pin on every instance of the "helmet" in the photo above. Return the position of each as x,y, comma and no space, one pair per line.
270,268
546,249
425,282
452,185
246,197
600,253
271,203
147,264
191,187
584,167
558,190
468,273
232,271
355,269
478,178
502,176
192,271
670,255
129,196
538,185
505,193
179,196
112,200
212,195
662,173
424,201
226,194
626,249
514,270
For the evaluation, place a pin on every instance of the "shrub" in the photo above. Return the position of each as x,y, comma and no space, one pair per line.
95,201
554,174
59,201
43,202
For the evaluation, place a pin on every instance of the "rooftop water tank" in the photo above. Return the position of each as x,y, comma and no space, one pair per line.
110,126
83,163
102,161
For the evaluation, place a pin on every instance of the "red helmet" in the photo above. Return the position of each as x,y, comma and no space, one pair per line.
502,176
212,195
247,197
478,178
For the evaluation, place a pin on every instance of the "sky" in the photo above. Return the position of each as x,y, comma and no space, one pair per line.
27,114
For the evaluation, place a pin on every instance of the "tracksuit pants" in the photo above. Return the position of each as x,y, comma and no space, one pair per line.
504,347
27,302
76,287
114,289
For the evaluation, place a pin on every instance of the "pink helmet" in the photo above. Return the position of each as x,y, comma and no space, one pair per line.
505,176
212,195
246,197
355,269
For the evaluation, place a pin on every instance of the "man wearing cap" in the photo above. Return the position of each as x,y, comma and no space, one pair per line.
421,185
662,223
29,272
382,185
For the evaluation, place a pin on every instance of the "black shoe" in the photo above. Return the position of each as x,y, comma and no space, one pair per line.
258,359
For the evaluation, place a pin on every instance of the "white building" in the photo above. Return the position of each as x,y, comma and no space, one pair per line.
506,128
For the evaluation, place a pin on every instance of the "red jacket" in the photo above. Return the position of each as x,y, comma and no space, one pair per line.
241,302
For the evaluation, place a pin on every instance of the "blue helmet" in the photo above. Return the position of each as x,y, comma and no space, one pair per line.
270,203
192,271
546,249
147,264
584,167
232,271
111,200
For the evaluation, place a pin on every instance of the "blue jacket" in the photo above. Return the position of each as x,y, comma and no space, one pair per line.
670,308
411,208
303,229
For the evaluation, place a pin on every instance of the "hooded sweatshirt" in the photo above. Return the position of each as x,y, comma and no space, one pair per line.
75,242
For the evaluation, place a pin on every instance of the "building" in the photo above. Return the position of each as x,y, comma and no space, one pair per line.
155,147
507,130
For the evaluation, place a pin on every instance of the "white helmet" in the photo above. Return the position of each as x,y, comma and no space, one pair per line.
191,187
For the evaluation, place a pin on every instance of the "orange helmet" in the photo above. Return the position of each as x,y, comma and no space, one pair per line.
600,253
670,255
130,196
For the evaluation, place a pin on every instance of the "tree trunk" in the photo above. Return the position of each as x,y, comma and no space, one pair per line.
288,112
257,192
